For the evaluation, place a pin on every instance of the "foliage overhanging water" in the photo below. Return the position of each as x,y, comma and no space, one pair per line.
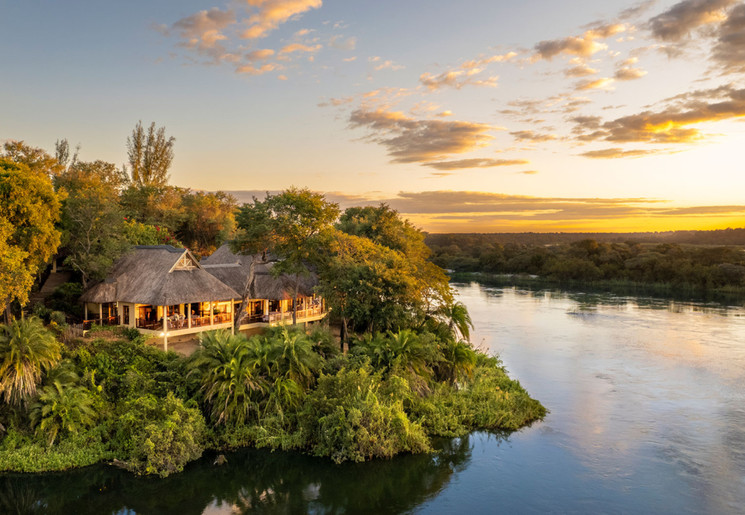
647,415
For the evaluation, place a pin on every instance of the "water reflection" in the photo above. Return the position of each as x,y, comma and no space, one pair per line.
252,481
647,416
646,394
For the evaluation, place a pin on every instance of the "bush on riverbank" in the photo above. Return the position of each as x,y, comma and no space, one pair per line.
156,411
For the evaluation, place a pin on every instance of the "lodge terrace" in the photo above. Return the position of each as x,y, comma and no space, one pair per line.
166,293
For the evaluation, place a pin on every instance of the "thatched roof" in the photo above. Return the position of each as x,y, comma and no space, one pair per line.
159,275
233,270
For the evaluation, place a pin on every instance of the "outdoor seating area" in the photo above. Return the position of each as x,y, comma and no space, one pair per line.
164,291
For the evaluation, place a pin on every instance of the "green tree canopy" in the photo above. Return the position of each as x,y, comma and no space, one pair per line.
92,220
426,286
291,224
29,204
208,220
37,159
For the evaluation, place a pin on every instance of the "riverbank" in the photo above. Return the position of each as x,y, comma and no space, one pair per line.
153,412
729,295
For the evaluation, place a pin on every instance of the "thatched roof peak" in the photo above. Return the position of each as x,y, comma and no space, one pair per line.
159,275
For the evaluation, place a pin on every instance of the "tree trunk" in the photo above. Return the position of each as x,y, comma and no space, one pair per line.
294,300
246,292
344,332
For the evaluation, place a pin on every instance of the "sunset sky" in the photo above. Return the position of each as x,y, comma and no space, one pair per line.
468,116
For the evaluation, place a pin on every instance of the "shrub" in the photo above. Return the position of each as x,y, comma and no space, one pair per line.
345,418
159,436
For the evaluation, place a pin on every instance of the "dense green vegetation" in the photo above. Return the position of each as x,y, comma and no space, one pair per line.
409,373
115,399
669,267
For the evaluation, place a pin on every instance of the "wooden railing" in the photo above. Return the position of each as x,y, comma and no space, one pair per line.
108,321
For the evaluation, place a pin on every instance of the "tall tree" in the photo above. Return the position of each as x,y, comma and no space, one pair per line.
150,153
208,220
63,155
93,237
385,227
367,285
30,205
291,224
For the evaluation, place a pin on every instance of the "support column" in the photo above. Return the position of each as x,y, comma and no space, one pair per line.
85,308
100,314
188,315
212,314
119,313
232,316
165,328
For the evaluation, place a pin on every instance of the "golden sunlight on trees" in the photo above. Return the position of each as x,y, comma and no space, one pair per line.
150,154
30,206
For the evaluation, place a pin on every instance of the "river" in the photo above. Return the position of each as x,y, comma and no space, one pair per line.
647,415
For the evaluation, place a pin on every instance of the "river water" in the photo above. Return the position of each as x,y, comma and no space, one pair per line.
647,415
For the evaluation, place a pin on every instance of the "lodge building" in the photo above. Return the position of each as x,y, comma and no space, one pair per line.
166,293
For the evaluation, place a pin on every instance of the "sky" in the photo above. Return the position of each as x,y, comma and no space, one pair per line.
468,116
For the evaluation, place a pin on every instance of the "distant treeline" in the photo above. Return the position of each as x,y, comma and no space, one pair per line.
689,267
469,240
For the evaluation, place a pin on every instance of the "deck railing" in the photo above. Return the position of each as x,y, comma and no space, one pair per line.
107,321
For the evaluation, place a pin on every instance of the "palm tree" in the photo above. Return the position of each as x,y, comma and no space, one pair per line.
458,320
459,360
62,409
295,358
229,377
27,350
410,352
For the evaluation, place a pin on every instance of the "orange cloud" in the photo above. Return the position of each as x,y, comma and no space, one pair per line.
409,140
617,153
270,14
299,47
533,136
677,22
584,45
474,163
455,79
671,125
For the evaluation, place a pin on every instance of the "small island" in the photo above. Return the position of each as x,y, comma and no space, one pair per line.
320,331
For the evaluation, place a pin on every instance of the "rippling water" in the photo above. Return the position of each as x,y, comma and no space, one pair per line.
647,401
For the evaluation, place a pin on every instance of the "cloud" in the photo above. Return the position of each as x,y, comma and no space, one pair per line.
677,22
260,55
636,10
340,43
299,47
583,46
250,69
580,70
409,140
270,14
386,65
481,62
588,84
672,124
203,28
532,136
729,50
474,163
617,153
455,79
629,73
